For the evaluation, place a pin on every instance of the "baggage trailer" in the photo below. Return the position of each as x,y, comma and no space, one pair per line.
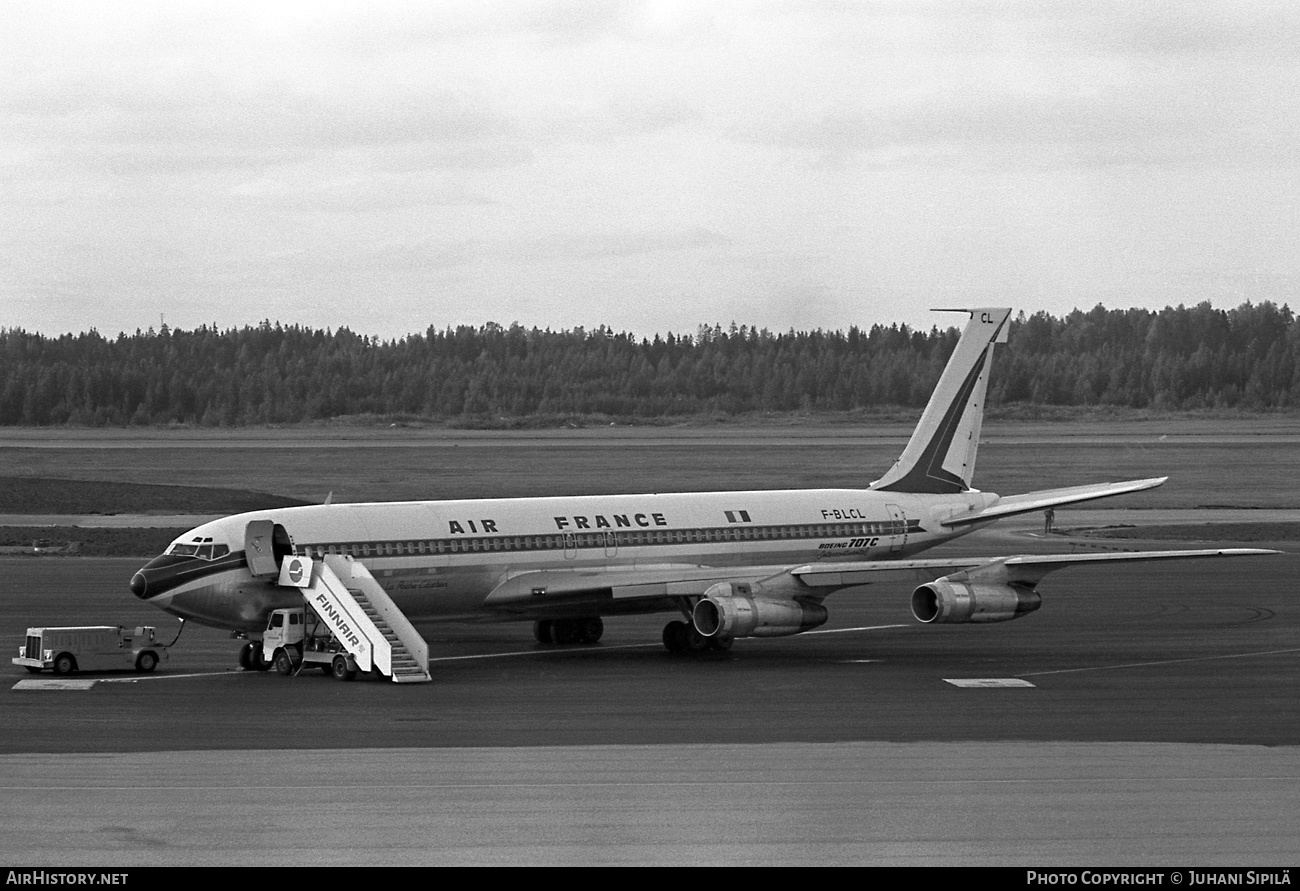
91,648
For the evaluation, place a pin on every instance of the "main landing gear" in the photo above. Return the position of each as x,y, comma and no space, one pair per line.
569,631
250,657
679,637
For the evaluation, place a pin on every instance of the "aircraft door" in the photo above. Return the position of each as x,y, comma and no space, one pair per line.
897,530
611,544
266,543
570,546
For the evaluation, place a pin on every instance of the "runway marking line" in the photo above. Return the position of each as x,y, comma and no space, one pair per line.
87,683
605,649
568,651
861,628
53,684
168,677
986,683
1161,662
1081,782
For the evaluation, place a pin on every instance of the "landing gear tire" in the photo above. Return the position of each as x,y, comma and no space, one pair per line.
567,632
564,632
680,637
64,664
256,661
696,643
590,630
340,669
146,661
675,637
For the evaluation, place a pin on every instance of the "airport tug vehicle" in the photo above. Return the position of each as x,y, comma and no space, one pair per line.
91,647
347,624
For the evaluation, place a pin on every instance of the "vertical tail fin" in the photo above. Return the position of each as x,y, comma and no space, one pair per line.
940,456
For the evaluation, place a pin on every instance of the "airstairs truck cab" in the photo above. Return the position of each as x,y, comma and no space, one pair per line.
90,648
297,637
347,624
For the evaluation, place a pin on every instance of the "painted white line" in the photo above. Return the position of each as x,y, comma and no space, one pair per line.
548,652
604,649
988,682
1161,662
87,683
843,630
858,661
53,684
167,677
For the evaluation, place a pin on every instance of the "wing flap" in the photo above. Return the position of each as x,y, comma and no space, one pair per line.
630,583
1028,568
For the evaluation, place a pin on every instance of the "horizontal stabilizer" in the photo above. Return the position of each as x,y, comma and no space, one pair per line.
1012,505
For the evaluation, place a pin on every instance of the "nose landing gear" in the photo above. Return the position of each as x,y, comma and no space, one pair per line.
250,657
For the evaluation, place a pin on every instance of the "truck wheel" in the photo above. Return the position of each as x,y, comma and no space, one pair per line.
64,664
283,663
341,670
146,661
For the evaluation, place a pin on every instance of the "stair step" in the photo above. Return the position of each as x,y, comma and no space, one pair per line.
353,586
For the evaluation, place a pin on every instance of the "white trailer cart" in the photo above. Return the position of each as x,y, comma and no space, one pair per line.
91,648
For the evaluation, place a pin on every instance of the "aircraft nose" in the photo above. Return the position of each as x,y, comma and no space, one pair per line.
139,585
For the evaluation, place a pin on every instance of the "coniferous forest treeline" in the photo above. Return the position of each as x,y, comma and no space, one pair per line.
1182,358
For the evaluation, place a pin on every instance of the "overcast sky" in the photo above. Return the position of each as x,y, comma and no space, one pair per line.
645,165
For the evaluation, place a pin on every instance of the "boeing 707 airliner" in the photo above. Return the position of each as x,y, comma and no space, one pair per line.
728,564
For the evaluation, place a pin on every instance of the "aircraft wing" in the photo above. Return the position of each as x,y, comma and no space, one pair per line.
1036,501
522,591
1028,569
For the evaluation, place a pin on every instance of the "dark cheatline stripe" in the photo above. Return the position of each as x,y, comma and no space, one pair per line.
164,573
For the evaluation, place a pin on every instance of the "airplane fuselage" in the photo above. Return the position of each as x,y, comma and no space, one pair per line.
451,560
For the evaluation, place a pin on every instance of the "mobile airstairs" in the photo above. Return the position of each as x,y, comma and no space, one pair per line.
350,624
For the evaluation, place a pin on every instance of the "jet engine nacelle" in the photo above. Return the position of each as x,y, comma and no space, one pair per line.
944,601
723,612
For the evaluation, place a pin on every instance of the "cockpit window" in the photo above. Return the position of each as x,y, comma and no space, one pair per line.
204,549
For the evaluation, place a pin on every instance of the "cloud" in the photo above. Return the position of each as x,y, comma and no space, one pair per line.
652,158
544,249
